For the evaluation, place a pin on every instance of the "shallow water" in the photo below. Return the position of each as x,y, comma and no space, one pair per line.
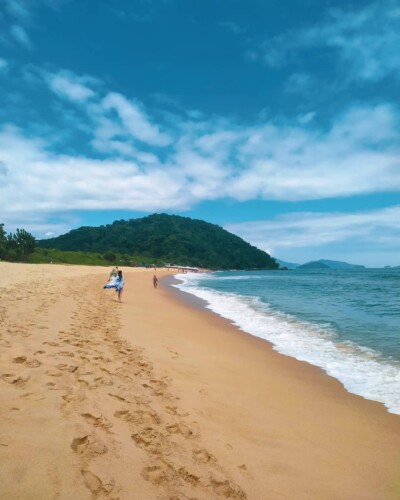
344,321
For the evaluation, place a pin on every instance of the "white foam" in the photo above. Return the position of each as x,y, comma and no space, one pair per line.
362,371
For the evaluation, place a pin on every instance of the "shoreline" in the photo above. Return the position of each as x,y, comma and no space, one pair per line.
192,299
197,303
159,399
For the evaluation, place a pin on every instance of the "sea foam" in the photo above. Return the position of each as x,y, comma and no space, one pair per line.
361,370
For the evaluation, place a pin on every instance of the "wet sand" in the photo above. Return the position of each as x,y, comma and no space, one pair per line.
154,398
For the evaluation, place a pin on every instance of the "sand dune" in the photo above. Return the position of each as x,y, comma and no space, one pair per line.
153,399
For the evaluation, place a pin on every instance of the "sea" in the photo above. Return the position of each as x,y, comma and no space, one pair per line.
346,322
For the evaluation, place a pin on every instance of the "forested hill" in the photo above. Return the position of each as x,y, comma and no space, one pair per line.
174,239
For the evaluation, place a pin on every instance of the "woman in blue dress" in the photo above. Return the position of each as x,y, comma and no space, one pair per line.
117,283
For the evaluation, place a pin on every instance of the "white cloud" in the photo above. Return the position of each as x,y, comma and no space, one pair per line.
47,183
291,233
22,37
358,155
70,86
147,166
135,120
365,41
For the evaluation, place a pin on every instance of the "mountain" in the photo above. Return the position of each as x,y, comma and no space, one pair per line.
289,265
174,239
329,264
336,264
314,265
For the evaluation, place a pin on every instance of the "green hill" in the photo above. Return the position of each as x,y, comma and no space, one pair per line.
171,238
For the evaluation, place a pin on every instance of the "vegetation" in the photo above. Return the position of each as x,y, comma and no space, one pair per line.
168,238
16,246
47,255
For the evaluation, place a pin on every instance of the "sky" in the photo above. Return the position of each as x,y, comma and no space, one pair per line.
279,121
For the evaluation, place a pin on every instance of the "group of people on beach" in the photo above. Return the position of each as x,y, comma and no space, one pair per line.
117,281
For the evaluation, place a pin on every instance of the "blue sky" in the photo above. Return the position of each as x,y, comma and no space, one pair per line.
279,121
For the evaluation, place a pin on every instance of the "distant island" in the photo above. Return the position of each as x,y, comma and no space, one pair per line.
169,238
320,264
314,265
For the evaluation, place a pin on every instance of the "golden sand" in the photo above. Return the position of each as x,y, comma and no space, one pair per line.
153,399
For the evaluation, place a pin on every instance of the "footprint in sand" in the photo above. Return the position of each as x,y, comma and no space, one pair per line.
244,470
87,443
174,410
157,474
13,379
96,446
139,417
33,363
95,484
96,421
188,476
182,429
20,359
80,444
225,488
203,456
149,439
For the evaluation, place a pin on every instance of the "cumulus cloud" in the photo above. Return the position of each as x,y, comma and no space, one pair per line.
149,166
288,234
48,183
243,164
365,42
67,84
135,119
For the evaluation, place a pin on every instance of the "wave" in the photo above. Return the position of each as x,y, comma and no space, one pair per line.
361,370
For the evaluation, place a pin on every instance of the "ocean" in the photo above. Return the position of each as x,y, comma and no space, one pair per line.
347,322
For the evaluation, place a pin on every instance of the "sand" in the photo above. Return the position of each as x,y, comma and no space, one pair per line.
155,399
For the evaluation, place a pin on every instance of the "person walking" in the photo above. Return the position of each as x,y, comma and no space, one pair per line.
155,281
120,285
117,283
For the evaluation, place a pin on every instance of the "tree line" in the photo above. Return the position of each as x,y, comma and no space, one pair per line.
16,246
169,238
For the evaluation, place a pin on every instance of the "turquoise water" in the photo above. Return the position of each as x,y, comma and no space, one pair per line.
346,322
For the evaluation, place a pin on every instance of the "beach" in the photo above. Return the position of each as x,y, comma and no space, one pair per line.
158,398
